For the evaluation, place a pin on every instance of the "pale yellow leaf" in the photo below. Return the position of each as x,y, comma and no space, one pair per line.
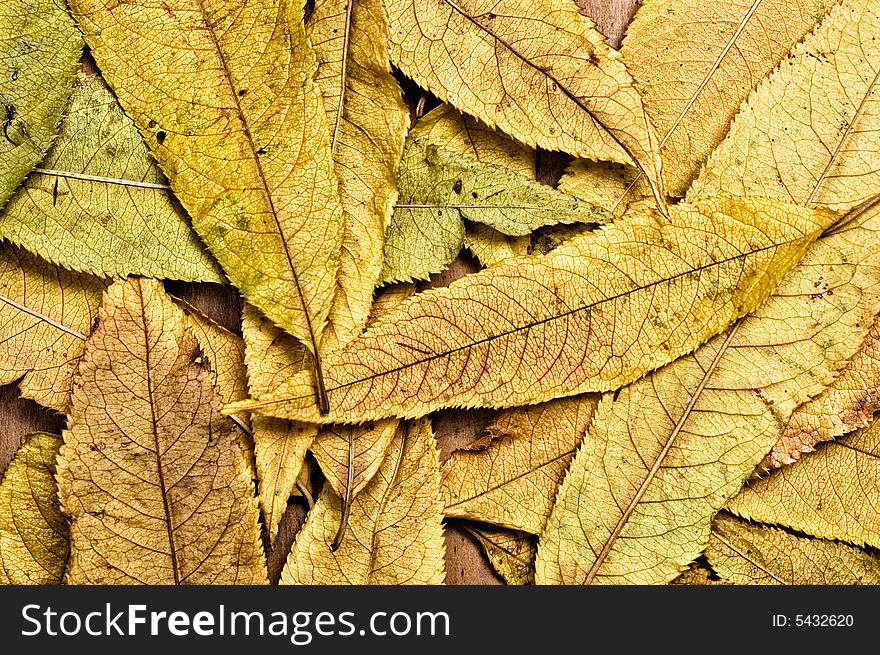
832,493
491,246
46,313
471,138
511,553
499,60
695,61
40,49
511,481
849,403
809,133
596,313
698,574
280,448
350,456
99,204
395,532
753,554
33,532
612,186
152,475
224,94
368,123
224,350
664,454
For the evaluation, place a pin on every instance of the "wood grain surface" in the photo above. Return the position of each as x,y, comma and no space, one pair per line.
466,563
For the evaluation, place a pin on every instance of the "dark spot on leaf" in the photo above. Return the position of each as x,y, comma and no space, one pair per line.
474,194
160,136
152,125
261,151
242,93
457,186
14,74
9,115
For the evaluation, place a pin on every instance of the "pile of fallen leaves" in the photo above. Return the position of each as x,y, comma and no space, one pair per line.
679,338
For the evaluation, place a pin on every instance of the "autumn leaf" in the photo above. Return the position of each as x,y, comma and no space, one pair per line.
698,574
224,350
225,98
805,135
809,133
511,481
612,186
849,403
511,553
40,49
659,288
349,456
153,477
45,315
832,493
663,455
33,531
694,62
491,246
499,60
368,123
98,202
395,534
280,446
754,554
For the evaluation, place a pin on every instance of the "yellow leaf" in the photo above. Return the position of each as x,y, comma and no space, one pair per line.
368,123
752,554
350,456
33,531
849,403
491,246
395,532
698,574
152,475
280,446
511,481
695,61
99,204
511,553
40,49
809,133
223,349
663,455
832,493
279,451
470,138
224,95
46,313
612,186
593,315
499,60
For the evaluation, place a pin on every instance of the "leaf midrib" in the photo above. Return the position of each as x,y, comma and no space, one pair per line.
565,90
264,182
549,319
